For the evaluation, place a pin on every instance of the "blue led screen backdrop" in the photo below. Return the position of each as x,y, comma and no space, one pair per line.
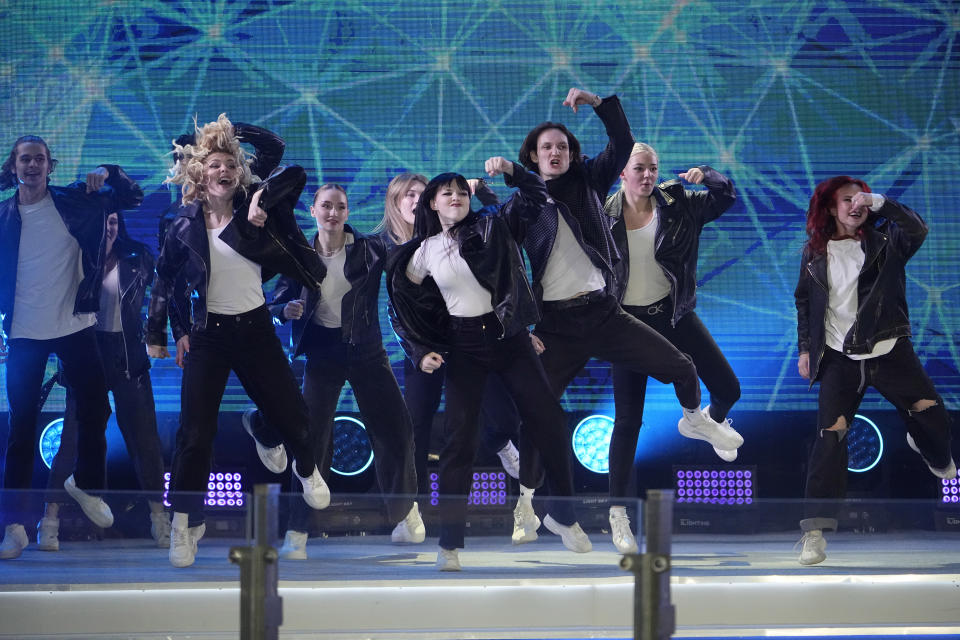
777,95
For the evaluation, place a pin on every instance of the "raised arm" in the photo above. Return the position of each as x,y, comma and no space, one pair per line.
604,169
720,195
523,207
906,227
269,147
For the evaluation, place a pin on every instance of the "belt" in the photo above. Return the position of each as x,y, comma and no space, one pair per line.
578,301
655,309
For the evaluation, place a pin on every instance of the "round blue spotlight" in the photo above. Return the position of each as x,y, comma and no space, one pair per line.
591,442
50,441
864,444
352,453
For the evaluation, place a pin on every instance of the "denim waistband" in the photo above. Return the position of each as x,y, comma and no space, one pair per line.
486,321
253,314
578,301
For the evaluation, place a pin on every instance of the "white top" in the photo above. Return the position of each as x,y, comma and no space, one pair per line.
234,286
439,257
335,285
844,262
108,317
49,272
569,270
646,282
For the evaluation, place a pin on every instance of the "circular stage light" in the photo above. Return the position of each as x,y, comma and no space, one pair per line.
591,442
50,441
352,453
864,444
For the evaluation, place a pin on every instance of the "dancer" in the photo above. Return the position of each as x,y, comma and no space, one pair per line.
853,331
422,391
119,330
51,269
224,243
338,329
574,262
657,231
460,287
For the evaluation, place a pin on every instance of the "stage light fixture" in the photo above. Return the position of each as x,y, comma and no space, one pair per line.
950,492
727,485
864,445
224,490
50,441
488,489
591,442
352,453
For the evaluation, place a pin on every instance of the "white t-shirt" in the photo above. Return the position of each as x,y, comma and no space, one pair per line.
844,262
49,271
439,257
329,309
234,286
569,270
108,317
646,283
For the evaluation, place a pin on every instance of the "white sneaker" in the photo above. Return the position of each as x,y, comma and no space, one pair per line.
700,426
15,540
510,459
160,528
623,538
48,534
813,547
410,530
947,473
315,490
573,536
525,522
273,458
183,544
93,507
294,546
448,560
726,456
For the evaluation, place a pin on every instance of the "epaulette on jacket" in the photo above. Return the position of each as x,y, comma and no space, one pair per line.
664,190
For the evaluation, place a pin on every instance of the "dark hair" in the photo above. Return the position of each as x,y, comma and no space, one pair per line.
325,186
7,177
530,144
124,242
821,225
426,221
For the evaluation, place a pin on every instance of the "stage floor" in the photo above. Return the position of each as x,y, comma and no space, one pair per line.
898,583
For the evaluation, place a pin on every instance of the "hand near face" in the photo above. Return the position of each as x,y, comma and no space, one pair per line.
693,176
96,179
498,165
578,97
861,200
431,362
256,215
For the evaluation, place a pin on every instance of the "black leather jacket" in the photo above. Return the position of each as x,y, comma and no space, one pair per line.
890,237
85,216
135,274
359,310
683,213
278,247
488,244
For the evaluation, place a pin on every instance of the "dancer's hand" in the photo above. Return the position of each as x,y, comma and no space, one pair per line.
256,215
431,362
803,365
578,97
538,345
693,176
498,165
183,348
293,310
157,351
96,179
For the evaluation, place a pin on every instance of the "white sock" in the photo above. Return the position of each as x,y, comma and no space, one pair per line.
691,412
526,493
179,520
618,511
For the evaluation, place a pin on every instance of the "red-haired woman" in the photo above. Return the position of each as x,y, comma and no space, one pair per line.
853,331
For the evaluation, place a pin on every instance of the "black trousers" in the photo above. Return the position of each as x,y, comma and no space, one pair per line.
599,328
630,387
476,352
900,378
247,345
26,364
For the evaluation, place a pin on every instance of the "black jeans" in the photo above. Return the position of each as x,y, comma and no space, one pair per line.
476,351
331,363
136,419
26,364
900,378
630,387
247,345
421,394
573,333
